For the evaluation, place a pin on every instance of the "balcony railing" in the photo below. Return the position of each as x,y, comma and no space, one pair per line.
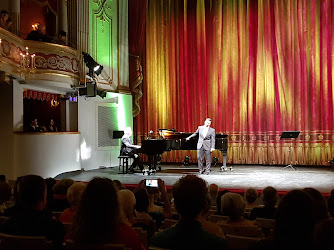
31,60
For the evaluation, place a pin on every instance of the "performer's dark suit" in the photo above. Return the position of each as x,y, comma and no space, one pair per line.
129,149
204,146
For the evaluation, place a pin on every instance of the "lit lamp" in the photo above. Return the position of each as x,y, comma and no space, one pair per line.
54,103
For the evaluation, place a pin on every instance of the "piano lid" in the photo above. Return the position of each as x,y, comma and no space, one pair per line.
171,134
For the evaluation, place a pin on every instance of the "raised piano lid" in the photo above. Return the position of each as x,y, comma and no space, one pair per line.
171,134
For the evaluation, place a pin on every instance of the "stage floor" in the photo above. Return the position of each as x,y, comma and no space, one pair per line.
240,178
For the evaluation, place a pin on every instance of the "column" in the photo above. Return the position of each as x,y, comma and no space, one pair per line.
15,15
62,15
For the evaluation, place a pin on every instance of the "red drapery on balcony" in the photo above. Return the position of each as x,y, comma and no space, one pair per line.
39,95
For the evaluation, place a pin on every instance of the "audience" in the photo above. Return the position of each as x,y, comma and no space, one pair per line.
59,202
50,182
4,16
98,219
127,203
330,204
218,201
213,192
251,197
73,196
61,38
233,206
9,24
319,205
210,227
52,127
118,185
14,208
5,195
39,34
323,235
104,212
30,219
294,223
154,195
142,203
33,126
269,196
190,198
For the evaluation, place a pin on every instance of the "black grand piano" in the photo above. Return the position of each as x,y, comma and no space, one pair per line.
172,140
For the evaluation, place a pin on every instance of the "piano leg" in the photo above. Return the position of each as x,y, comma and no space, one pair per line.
224,168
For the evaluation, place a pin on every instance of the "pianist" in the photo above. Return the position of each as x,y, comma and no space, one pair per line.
130,149
205,145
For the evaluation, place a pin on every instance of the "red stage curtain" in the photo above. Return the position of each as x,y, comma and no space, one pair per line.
257,68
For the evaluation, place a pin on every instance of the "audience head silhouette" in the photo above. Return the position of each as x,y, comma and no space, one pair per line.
269,195
320,209
142,200
98,213
31,192
251,195
294,221
190,196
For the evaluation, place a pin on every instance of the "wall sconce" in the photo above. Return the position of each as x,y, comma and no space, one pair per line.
0,47
35,26
54,103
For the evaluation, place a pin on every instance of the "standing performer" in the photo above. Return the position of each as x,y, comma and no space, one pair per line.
205,145
130,149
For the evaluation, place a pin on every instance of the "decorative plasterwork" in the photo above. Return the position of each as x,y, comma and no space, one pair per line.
103,39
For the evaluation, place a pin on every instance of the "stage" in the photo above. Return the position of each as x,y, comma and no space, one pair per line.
240,178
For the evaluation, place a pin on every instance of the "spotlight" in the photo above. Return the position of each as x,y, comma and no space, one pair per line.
215,161
93,67
101,93
186,160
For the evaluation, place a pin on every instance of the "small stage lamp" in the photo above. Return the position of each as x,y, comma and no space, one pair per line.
186,160
331,161
215,161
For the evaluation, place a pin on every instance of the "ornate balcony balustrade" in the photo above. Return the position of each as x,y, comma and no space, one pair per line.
31,60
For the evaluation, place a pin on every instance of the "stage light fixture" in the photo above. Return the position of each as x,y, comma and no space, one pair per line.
186,160
92,65
331,161
215,161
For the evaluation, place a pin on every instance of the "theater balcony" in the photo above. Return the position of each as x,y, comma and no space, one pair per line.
38,63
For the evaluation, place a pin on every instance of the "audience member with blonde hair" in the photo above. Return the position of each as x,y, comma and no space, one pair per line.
233,206
127,203
73,196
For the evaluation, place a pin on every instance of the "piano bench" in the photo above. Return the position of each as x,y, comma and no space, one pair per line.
123,163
